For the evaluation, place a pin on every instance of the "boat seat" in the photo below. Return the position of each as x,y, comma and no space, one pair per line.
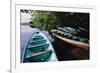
39,57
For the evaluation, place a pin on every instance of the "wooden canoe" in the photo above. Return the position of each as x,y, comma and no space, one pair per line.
73,42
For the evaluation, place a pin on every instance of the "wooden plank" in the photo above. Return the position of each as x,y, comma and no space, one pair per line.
39,53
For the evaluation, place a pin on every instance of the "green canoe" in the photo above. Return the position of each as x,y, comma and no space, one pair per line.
38,49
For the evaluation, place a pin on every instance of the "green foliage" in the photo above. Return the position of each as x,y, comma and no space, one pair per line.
45,20
49,20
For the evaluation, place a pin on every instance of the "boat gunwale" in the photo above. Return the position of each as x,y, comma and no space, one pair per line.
73,42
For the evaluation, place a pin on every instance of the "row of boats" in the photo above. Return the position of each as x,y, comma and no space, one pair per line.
71,33
39,48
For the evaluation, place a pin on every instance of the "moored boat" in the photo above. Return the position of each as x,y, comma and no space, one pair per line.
70,40
39,49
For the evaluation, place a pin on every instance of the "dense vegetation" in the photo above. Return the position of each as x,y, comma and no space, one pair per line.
45,20
49,19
